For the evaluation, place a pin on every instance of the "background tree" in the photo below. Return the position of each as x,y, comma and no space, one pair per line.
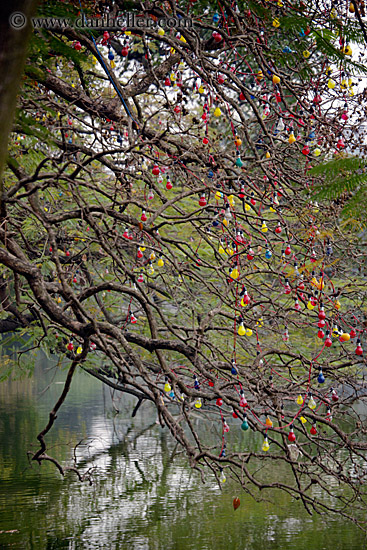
160,230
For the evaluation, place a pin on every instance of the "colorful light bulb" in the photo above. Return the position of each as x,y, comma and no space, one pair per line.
311,403
321,377
243,402
291,435
265,446
244,425
233,369
241,329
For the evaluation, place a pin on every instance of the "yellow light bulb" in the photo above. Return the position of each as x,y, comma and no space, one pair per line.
161,31
167,387
300,400
331,83
276,23
247,207
266,445
306,54
235,273
160,262
241,330
79,350
198,403
302,419
267,155
248,332
291,138
217,112
221,250
225,222
321,284
264,227
201,90
311,403
309,305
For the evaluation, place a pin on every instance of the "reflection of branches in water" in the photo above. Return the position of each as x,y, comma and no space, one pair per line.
41,455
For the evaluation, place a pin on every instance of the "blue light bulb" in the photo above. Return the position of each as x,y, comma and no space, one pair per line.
321,377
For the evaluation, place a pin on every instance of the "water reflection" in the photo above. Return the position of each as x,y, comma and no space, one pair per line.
144,495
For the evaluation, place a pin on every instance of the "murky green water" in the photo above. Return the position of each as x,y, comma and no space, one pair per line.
143,497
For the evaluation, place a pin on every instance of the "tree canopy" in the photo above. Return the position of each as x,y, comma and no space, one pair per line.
162,227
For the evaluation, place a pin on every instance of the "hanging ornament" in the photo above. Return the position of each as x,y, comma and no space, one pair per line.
300,400
202,200
243,402
268,422
321,377
234,369
264,227
359,350
328,341
334,395
311,402
291,435
236,503
265,446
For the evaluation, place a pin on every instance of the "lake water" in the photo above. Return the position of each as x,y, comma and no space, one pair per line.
144,496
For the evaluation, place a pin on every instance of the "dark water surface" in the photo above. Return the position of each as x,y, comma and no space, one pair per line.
141,497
